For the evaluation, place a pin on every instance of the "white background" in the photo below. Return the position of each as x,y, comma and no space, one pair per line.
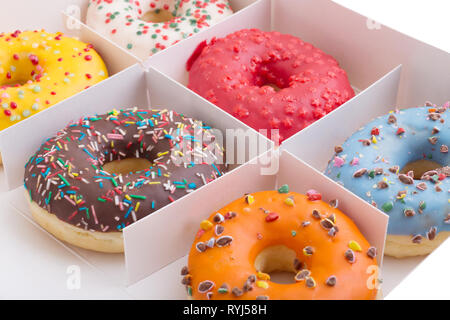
425,20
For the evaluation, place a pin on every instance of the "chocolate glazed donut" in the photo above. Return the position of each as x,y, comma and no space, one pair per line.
74,198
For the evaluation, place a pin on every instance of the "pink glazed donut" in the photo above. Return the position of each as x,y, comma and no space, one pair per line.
269,80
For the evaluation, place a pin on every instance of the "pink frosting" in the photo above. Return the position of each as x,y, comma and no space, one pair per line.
235,72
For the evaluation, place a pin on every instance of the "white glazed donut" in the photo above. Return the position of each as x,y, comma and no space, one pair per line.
124,21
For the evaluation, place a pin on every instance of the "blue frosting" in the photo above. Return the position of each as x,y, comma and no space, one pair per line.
392,148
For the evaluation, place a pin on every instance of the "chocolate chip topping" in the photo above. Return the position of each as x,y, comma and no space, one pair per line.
431,234
338,149
201,247
302,275
394,169
248,286
405,179
447,219
237,292
359,173
334,203
428,175
327,224
433,140
382,185
218,218
230,215
409,212
392,119
184,271
308,250
205,286
378,171
186,280
310,282
372,252
422,186
331,281
219,229
332,218
332,232
417,239
316,214
224,241
350,256
298,265
434,116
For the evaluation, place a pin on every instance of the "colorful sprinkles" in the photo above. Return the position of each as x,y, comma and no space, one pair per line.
39,69
66,175
122,21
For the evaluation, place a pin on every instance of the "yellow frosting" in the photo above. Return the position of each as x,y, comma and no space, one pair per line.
39,69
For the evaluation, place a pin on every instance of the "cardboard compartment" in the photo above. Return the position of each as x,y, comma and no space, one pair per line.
154,256
129,88
115,58
424,76
55,16
166,243
382,78
337,126
37,266
407,86
172,61
77,10
302,19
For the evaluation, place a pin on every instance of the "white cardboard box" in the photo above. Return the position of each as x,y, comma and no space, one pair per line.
345,36
132,86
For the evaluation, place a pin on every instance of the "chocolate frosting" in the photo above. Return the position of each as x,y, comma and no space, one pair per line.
66,177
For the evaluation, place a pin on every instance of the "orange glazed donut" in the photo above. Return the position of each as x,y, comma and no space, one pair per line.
237,248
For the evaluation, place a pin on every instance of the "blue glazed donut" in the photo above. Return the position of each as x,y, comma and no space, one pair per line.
369,165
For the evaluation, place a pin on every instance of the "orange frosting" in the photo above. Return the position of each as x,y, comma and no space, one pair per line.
266,219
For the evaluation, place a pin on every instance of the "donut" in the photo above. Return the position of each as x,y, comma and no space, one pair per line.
268,80
146,27
80,184
238,247
381,163
39,69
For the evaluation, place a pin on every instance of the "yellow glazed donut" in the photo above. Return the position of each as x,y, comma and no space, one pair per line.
39,69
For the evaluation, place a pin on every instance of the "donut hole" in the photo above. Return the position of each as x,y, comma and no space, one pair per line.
127,165
419,167
157,16
278,262
20,69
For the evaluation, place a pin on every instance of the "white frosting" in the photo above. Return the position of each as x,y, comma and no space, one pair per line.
119,20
